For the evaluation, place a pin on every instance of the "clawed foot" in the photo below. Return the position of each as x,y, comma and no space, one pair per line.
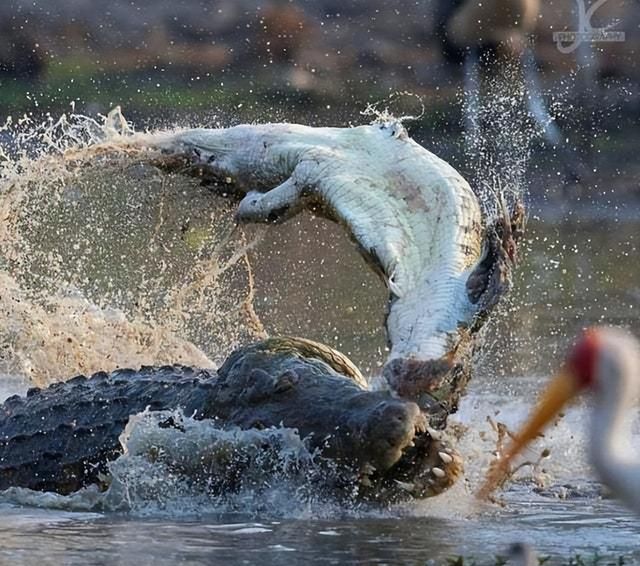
275,206
427,466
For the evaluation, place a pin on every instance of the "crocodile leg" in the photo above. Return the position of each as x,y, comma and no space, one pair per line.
276,205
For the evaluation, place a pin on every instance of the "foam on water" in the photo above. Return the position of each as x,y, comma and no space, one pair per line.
174,466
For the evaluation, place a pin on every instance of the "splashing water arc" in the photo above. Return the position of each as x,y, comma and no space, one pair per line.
107,262
112,261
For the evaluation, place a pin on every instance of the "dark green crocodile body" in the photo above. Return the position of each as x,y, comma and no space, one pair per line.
63,437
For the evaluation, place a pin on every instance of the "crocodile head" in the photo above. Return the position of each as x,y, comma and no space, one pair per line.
402,457
236,156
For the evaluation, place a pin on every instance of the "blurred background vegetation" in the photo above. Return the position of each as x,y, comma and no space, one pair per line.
320,62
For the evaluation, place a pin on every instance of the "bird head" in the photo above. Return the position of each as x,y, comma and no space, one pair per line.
603,360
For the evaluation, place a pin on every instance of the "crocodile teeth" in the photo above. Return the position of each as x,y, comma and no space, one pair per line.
438,472
446,458
405,485
420,426
433,433
368,469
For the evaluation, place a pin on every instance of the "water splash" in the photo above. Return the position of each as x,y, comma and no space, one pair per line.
498,132
173,465
387,114
107,261
163,466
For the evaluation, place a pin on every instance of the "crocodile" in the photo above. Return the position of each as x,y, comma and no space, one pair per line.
414,218
63,438
416,221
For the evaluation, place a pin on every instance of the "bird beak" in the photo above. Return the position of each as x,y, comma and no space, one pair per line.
563,388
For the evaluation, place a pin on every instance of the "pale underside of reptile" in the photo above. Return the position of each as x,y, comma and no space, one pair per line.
414,217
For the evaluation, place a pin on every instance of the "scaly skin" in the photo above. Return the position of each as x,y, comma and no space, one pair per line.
413,216
62,438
